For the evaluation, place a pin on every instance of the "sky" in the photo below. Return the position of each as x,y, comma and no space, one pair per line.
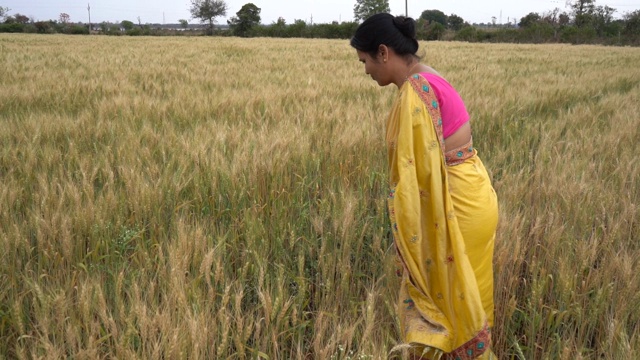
318,11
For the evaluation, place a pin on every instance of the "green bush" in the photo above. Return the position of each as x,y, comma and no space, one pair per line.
468,33
274,30
435,31
485,36
113,30
78,30
134,32
300,29
30,29
11,28
575,35
613,29
568,34
507,35
44,27
632,24
539,32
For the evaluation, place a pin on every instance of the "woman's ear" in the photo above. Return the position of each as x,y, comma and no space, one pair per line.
383,52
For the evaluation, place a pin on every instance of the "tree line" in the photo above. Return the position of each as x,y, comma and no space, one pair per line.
583,22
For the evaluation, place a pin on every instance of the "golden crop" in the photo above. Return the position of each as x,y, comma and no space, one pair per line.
211,198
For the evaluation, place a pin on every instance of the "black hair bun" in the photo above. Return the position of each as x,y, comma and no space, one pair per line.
406,25
396,32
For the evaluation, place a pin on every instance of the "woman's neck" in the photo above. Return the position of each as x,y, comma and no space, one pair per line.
405,71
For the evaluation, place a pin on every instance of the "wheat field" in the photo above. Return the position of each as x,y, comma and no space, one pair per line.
224,198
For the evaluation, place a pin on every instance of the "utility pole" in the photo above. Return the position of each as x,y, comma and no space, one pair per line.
406,8
89,10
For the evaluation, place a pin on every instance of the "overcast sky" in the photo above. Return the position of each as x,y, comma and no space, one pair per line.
322,11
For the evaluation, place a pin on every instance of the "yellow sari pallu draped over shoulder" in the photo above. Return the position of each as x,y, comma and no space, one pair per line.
443,220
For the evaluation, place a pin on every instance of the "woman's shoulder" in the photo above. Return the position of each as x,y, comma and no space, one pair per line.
437,79
428,80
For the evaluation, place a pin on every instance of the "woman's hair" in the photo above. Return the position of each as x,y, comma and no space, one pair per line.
397,33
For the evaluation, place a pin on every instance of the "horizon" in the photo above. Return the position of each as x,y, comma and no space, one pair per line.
310,11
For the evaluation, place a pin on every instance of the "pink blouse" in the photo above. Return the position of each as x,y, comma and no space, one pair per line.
454,113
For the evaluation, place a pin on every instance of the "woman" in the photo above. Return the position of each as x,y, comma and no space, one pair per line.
442,206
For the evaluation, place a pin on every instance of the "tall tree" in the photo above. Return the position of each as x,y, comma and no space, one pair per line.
365,8
551,17
18,18
435,31
632,23
455,22
246,18
564,19
4,11
208,10
64,18
434,16
127,25
602,19
583,11
529,20
555,19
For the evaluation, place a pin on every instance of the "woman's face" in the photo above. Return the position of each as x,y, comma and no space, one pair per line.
375,68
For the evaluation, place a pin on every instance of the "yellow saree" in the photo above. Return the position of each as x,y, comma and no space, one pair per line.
443,218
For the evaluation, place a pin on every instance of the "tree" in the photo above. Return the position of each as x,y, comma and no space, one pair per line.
127,25
64,18
583,12
602,20
435,31
632,23
434,16
44,27
529,20
554,18
468,33
551,17
455,22
17,19
208,11
297,28
183,23
277,28
246,18
4,11
365,8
